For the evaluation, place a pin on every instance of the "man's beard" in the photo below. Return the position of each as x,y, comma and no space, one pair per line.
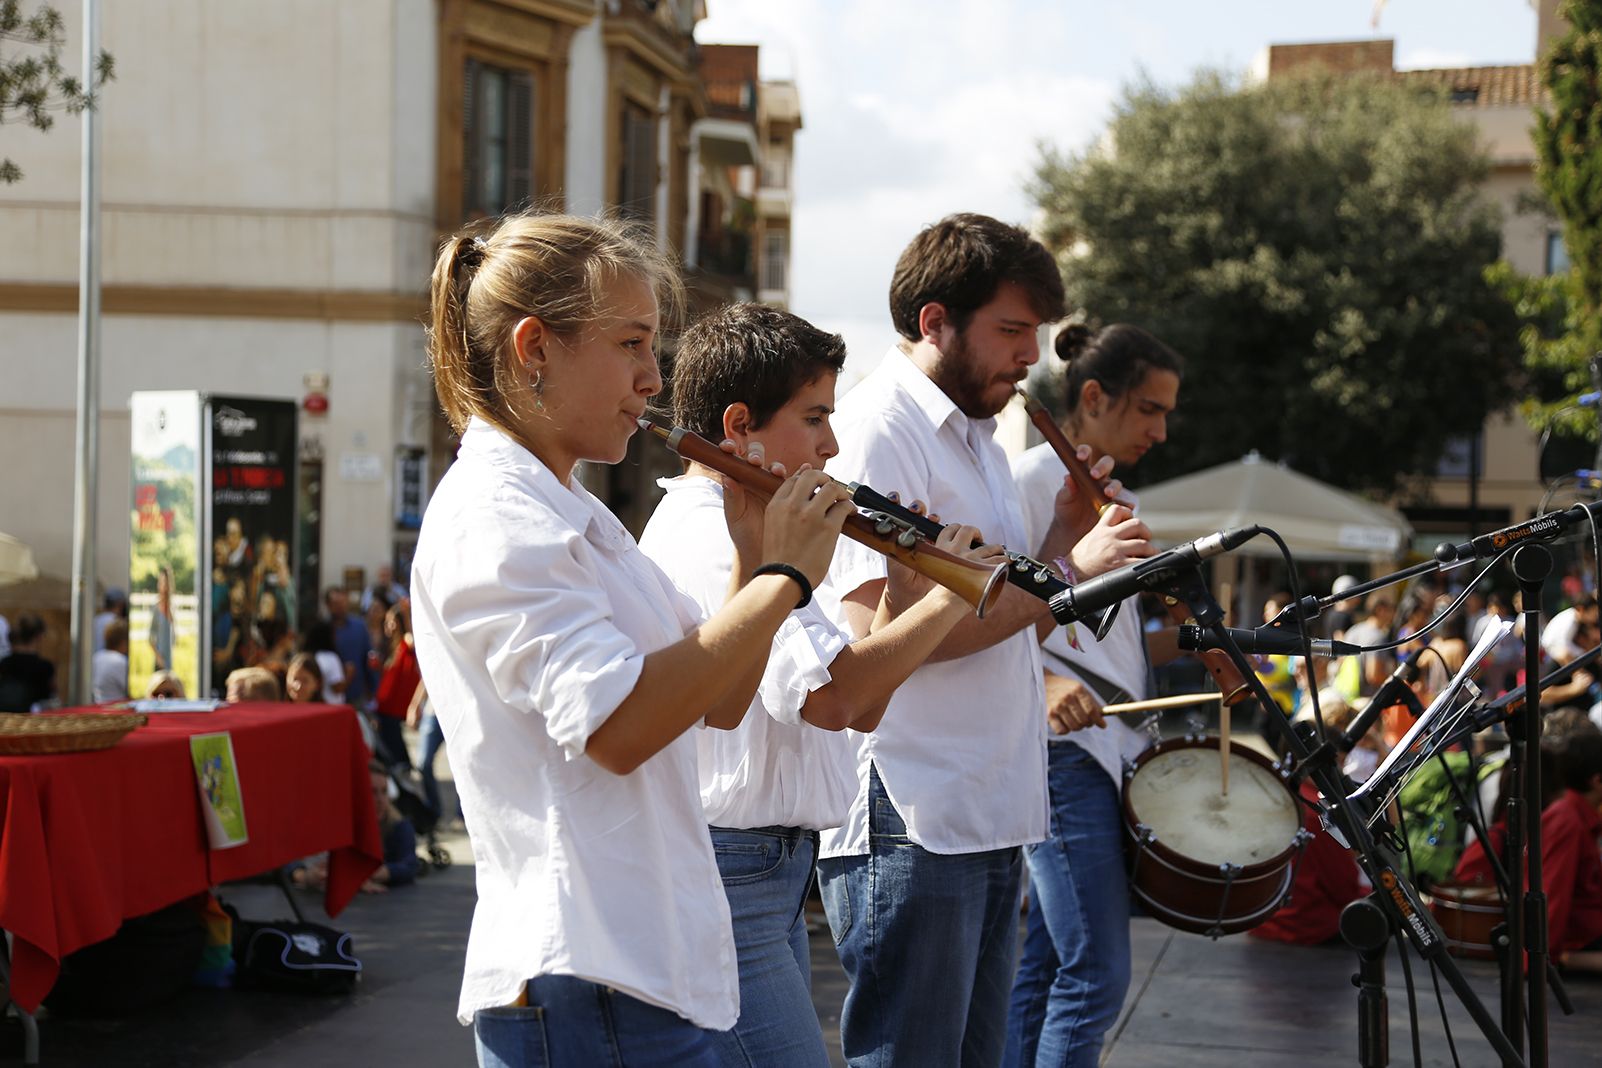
960,379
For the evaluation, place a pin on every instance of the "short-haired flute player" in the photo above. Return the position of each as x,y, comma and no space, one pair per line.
567,671
744,372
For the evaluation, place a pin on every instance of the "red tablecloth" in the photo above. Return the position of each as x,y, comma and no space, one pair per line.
89,839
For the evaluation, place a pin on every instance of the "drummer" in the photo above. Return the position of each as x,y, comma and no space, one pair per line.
1121,385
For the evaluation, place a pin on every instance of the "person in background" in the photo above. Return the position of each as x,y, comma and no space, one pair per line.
400,690
355,648
1359,676
303,681
114,605
1338,619
400,865
165,685
1570,861
109,667
252,684
27,680
319,642
383,586
1560,635
161,621
431,739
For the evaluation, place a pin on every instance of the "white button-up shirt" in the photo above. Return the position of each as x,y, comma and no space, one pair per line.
774,769
1120,658
533,610
962,748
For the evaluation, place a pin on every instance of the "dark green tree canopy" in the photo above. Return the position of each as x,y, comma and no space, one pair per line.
1315,248
32,84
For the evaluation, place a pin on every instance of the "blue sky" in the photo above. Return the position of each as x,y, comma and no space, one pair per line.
917,108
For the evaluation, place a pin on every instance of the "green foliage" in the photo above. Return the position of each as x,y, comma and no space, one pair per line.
1560,314
32,84
1315,248
1558,340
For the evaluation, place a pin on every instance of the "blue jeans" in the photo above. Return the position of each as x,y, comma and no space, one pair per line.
928,941
1075,966
574,1023
766,874
392,739
433,738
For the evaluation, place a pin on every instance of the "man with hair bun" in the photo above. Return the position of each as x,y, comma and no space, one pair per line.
1120,386
921,883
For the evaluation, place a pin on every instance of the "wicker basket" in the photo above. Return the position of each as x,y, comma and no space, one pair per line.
72,732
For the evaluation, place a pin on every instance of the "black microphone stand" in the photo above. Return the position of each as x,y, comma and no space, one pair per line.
1526,923
1394,905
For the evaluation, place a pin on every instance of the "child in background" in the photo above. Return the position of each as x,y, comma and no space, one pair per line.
400,839
252,684
303,681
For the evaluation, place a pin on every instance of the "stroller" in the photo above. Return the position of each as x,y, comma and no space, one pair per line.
407,793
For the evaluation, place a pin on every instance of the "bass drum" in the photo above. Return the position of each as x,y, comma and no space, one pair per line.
1198,860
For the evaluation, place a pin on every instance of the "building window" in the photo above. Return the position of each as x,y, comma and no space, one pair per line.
775,259
1458,458
1557,253
1465,94
497,139
776,167
636,187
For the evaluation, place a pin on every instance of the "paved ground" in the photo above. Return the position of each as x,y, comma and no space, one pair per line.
1193,1002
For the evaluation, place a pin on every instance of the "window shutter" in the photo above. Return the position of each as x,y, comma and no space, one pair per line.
471,181
639,168
520,141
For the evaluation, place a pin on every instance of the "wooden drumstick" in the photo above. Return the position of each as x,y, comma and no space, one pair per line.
1155,703
1223,749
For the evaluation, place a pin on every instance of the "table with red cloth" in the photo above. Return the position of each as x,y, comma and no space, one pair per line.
90,839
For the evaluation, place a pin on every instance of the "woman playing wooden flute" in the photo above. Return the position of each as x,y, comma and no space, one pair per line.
565,668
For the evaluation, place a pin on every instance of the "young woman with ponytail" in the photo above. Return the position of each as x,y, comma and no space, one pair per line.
565,668
1120,386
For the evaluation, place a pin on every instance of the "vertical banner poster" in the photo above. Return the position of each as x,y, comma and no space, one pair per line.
251,458
164,618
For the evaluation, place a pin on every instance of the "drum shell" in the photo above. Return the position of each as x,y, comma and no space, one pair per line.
1198,897
1467,915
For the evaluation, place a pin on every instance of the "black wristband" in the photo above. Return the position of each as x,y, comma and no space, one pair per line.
790,573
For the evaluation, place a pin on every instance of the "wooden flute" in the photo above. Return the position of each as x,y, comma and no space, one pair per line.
1229,679
978,584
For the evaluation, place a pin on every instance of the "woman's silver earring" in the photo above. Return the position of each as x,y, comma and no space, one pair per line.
539,391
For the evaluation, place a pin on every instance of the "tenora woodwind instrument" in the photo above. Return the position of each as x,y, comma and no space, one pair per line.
978,584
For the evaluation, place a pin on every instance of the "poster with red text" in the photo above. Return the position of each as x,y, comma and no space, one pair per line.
249,581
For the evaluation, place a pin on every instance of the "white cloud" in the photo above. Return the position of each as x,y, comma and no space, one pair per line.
1431,59
910,112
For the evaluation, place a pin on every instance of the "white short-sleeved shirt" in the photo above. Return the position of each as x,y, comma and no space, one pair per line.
1557,637
1120,658
774,769
534,610
961,749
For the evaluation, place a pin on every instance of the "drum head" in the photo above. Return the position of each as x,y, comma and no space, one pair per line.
1177,794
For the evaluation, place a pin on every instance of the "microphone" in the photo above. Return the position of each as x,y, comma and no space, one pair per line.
1267,641
1091,596
1548,526
1396,689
